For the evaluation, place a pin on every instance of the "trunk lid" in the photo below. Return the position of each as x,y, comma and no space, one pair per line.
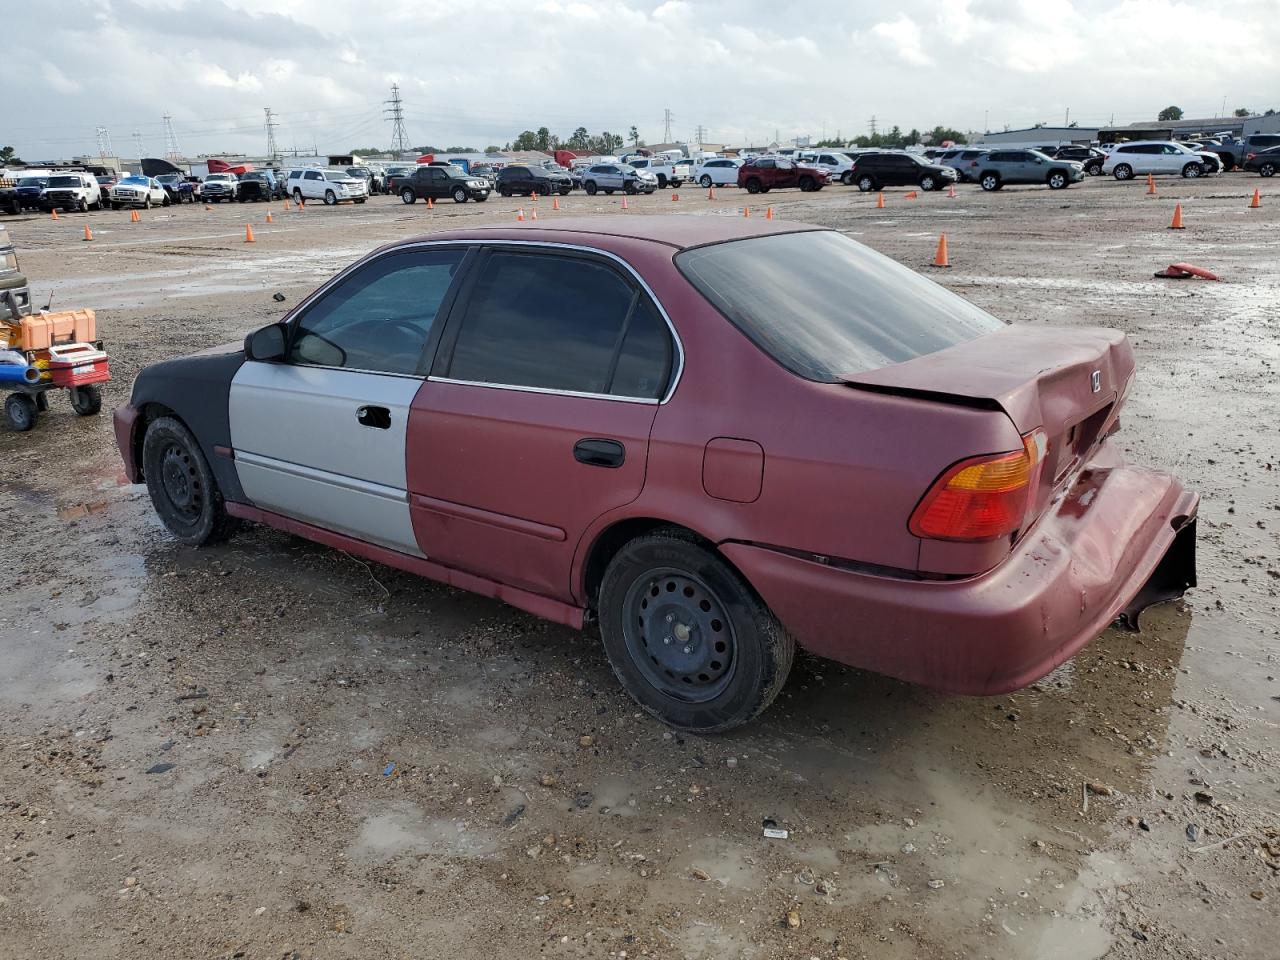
1070,383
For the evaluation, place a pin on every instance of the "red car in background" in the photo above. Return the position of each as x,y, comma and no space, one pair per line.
762,174
718,437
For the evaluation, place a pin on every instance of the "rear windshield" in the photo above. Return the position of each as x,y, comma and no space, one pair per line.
826,307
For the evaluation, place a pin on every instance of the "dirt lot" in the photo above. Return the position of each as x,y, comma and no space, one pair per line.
272,750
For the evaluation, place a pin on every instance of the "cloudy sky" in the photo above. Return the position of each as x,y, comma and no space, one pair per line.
476,72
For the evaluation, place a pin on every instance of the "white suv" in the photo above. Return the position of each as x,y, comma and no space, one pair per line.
717,172
838,165
71,191
331,186
1141,157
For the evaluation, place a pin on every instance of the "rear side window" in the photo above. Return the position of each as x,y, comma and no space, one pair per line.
560,323
826,307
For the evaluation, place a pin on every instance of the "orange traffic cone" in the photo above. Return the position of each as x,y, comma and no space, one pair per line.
430,204
746,211
207,208
951,193
911,195
624,204
248,234
555,203
711,193
286,203
941,259
534,196
1151,185
768,213
520,214
880,201
133,216
675,197
1177,218
1256,202
53,214
535,215
270,219
88,234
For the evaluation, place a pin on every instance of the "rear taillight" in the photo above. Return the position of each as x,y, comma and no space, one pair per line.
982,498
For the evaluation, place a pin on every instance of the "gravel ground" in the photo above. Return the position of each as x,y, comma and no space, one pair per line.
270,749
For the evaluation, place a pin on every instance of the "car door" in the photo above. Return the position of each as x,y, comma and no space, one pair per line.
313,185
536,418
320,437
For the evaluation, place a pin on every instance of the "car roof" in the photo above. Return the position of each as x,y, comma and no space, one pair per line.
673,230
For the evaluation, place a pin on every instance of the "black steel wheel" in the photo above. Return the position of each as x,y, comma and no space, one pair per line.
86,401
181,484
20,409
688,638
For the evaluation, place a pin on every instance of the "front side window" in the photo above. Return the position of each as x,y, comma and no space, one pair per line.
826,307
560,323
380,317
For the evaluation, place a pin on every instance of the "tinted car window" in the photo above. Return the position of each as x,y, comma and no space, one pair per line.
826,307
555,323
644,362
379,317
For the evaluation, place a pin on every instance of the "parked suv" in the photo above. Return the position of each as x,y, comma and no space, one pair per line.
529,180
1091,157
1266,162
331,186
618,176
439,182
872,171
762,174
1001,167
72,191
1157,157
961,160
837,166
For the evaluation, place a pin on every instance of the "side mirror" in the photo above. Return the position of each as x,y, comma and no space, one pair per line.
266,344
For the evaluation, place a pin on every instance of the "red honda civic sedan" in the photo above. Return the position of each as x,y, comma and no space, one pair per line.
719,437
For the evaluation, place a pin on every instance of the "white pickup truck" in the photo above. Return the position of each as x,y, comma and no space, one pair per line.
669,172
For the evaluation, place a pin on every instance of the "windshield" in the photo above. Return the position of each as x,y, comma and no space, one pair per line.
168,178
64,181
32,182
335,175
219,176
826,307
255,176
135,181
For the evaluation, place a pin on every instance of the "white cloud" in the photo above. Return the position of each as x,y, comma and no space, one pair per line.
904,36
58,80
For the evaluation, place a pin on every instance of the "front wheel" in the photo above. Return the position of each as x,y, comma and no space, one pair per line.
181,485
705,182
927,183
662,182
1123,172
330,198
808,184
86,401
990,182
687,637
590,187
1057,180
20,409
1192,170
1267,170
754,186
459,195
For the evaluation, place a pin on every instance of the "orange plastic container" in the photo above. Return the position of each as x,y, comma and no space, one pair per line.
43,330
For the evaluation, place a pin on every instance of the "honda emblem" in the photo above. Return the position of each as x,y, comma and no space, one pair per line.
1095,381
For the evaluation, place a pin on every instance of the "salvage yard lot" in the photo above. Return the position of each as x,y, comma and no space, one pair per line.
269,748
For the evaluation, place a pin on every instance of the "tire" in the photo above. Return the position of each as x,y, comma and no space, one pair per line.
330,198
629,188
460,195
1267,170
847,178
1228,162
590,187
866,184
608,191
754,186
407,196
808,184
361,199
82,205
166,201
1122,171
1058,180
182,486
297,196
1193,170
564,191
990,181
927,183
20,409
115,206
504,191
86,401
735,651
662,181
705,181
146,203
1094,169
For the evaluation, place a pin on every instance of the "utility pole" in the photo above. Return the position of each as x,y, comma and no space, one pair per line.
273,154
701,135
104,142
1067,122
395,111
666,125
171,150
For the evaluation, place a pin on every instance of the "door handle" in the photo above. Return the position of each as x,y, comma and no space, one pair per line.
377,417
599,453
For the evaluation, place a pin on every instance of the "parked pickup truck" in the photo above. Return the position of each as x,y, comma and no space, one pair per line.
668,172
1234,153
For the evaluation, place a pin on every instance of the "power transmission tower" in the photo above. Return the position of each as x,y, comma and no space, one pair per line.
666,125
872,125
702,132
104,142
273,153
395,110
137,142
171,151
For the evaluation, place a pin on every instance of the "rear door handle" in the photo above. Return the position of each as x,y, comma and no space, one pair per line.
599,453
377,417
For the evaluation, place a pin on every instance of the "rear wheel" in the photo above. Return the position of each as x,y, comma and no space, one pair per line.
662,181
181,484
86,401
408,196
297,196
20,410
687,637
1122,171
1094,169
990,181
866,184
504,191
1267,169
